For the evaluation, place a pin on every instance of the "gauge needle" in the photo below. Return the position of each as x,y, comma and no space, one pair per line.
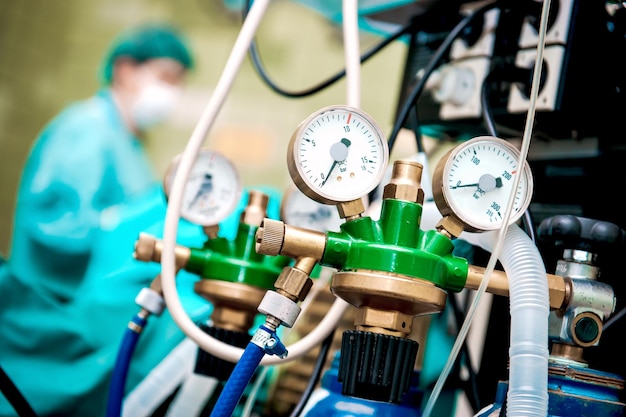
486,183
205,188
339,152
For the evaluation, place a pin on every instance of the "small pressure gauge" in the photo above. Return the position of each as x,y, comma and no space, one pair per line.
212,191
474,180
337,154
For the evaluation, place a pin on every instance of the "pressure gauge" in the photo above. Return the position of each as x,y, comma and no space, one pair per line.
337,154
212,191
473,183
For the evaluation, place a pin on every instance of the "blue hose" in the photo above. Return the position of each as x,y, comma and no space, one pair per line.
238,380
120,372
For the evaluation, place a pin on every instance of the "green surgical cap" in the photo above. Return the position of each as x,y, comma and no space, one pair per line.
144,43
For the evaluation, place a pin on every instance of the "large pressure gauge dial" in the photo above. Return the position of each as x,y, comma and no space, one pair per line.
473,183
212,191
337,154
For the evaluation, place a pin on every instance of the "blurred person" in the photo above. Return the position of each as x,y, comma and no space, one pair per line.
90,157
68,286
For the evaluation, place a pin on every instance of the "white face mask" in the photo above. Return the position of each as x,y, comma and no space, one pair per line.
154,103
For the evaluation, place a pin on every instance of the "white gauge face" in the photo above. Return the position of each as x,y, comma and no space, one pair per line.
337,154
212,191
477,180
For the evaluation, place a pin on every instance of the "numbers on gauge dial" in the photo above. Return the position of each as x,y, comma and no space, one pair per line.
338,155
478,181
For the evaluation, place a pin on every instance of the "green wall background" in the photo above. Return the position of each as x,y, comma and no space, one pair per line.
50,52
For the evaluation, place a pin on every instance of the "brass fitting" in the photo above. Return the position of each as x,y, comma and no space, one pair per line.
211,231
558,290
350,210
386,291
293,284
234,303
393,323
149,249
586,329
255,211
405,182
450,226
276,238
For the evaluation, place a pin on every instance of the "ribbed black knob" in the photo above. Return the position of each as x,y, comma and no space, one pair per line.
581,233
376,366
209,365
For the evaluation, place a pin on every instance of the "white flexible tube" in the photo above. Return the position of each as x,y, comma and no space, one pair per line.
530,308
523,404
352,48
206,342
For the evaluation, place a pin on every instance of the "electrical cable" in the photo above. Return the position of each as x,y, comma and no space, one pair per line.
472,386
122,363
530,118
262,72
14,396
431,66
415,93
490,125
488,119
315,375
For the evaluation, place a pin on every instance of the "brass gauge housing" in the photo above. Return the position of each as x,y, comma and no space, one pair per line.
337,154
473,181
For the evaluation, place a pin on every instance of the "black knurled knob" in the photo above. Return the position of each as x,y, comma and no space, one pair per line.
581,233
376,366
209,365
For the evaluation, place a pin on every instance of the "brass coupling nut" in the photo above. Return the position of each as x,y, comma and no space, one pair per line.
405,182
294,282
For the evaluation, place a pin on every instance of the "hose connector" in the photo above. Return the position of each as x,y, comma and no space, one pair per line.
280,308
268,340
276,238
256,210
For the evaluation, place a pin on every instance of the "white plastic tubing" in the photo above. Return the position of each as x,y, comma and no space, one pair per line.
528,290
529,308
168,273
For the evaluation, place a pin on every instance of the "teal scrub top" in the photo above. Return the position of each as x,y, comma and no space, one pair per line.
68,286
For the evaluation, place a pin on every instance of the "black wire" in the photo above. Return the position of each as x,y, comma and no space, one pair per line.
490,125
471,389
315,376
431,66
258,65
14,396
413,123
488,119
